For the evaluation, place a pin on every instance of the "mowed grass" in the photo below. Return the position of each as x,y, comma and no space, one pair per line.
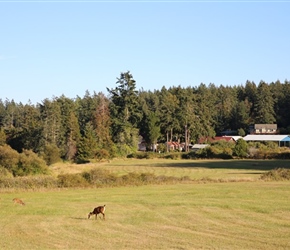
229,215
252,215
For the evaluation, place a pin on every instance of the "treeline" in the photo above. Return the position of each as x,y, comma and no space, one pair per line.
98,126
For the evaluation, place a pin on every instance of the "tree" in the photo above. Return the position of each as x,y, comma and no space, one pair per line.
87,145
241,115
2,137
70,132
85,109
205,113
50,114
153,130
125,113
168,114
227,98
102,123
241,148
30,131
264,106
125,101
251,96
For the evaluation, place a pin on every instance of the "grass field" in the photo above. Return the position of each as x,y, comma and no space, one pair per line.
230,215
195,169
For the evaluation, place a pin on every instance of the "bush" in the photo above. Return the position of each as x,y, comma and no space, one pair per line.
241,148
30,164
51,154
9,158
72,180
173,156
102,154
278,174
99,177
4,172
28,182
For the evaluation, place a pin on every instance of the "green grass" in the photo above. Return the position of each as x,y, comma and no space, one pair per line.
195,169
229,215
236,215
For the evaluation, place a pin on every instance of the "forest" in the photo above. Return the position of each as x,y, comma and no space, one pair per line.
100,125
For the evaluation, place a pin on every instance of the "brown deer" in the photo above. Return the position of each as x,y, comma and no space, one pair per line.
98,210
16,200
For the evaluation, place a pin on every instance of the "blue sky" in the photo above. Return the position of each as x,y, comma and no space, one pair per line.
50,48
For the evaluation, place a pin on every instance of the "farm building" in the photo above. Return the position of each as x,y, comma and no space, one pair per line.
173,146
218,138
282,140
197,147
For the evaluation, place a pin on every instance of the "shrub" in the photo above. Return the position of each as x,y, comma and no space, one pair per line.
173,156
162,148
72,180
241,148
28,182
98,176
278,174
4,172
51,154
2,137
9,158
284,155
102,154
30,163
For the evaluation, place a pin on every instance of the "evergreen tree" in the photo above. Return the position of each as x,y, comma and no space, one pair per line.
50,114
70,132
125,113
85,109
241,148
240,116
264,106
102,124
2,137
152,132
204,122
87,145
168,114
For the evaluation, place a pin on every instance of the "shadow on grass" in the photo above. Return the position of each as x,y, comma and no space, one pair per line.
78,218
245,173
224,164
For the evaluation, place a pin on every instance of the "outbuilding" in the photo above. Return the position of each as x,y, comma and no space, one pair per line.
282,140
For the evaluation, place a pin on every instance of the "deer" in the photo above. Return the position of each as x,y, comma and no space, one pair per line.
98,210
16,200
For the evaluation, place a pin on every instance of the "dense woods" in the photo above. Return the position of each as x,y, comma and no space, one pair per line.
103,126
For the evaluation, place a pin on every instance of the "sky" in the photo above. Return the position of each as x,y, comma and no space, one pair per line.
54,48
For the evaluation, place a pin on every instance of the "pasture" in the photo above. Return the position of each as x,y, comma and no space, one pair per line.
244,213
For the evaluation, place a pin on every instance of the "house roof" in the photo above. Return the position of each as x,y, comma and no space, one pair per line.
213,139
199,146
267,138
236,137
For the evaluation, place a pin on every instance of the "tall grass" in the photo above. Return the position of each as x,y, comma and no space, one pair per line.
148,171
